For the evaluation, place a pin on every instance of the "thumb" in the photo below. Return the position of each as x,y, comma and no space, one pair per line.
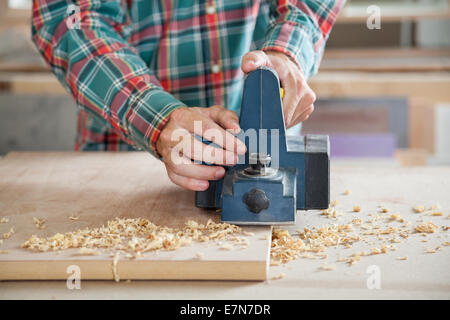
254,60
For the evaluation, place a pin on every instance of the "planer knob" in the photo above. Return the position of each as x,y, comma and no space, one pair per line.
256,200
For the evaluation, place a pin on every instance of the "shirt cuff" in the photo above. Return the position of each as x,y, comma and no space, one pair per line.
148,116
294,41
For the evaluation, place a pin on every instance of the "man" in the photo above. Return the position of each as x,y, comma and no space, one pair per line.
142,69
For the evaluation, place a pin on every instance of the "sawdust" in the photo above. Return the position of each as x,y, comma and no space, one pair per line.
39,223
8,234
136,236
427,227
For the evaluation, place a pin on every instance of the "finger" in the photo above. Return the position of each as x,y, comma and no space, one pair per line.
187,183
194,149
305,105
254,60
196,171
197,123
304,115
226,118
291,99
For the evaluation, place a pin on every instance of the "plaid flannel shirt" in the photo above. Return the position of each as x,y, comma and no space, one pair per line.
129,63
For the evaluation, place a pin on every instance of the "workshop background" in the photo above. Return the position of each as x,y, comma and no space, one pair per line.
382,93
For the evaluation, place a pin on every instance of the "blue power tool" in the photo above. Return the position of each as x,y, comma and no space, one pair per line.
279,174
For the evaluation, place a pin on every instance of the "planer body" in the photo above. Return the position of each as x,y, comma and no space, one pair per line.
279,174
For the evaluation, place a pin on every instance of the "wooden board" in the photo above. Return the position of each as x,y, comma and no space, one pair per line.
99,187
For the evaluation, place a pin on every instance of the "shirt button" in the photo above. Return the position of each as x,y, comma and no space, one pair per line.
210,9
215,68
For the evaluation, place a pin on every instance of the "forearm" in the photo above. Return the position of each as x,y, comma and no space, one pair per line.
300,29
94,61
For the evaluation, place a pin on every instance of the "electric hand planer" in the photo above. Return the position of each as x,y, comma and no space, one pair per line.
279,174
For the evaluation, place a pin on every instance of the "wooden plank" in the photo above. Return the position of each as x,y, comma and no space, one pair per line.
421,125
99,187
386,60
432,86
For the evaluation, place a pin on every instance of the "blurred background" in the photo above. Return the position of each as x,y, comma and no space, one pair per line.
383,93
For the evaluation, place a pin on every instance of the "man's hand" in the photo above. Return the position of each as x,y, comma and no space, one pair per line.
179,148
298,98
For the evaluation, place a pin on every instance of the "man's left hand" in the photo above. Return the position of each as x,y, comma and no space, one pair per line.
298,97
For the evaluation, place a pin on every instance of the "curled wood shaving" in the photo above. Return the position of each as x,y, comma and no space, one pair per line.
114,267
39,223
73,218
402,258
279,276
8,234
4,220
419,209
227,246
427,227
347,192
356,209
327,267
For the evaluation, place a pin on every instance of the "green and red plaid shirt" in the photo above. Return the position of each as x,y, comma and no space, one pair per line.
129,63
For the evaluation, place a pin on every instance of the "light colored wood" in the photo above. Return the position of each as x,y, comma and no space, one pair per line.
412,157
386,60
98,187
373,183
432,86
421,125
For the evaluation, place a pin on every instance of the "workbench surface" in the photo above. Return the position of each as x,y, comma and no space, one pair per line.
372,184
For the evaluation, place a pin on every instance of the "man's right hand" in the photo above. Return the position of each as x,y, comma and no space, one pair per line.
179,148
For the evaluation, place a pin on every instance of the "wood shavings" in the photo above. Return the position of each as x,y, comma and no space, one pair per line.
446,244
427,227
437,213
136,236
199,256
419,209
384,210
347,192
74,218
327,267
430,250
279,276
4,220
356,208
396,217
286,248
274,263
331,213
114,267
227,246
375,251
8,234
402,258
39,223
